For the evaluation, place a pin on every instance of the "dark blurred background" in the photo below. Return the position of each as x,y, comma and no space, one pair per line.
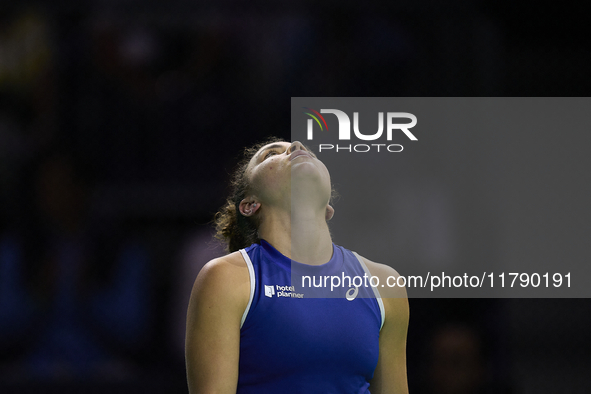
119,125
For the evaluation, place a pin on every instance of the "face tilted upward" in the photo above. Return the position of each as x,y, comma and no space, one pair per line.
279,168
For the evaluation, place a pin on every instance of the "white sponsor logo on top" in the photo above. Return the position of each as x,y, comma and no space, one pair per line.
282,291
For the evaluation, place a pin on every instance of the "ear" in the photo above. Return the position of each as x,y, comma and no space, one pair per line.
248,207
329,212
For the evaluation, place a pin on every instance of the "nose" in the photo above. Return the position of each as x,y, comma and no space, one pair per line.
296,145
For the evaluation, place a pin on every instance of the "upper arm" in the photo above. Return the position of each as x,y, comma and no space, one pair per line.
390,373
218,300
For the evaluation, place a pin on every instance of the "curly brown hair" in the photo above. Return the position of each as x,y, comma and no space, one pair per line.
236,230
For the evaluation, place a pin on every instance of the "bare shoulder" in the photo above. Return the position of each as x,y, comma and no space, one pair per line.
229,267
218,301
394,297
388,278
224,279
390,373
378,269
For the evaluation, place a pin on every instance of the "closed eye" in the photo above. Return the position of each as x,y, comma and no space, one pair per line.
270,153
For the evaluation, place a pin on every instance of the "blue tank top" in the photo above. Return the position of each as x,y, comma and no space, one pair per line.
303,338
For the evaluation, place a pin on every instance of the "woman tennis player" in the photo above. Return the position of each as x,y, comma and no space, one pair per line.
253,328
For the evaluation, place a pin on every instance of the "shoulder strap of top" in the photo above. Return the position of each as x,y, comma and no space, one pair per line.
252,284
375,290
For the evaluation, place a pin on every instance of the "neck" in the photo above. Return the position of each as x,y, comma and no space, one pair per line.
302,237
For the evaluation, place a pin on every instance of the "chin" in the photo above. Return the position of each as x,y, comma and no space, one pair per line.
309,177
305,171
